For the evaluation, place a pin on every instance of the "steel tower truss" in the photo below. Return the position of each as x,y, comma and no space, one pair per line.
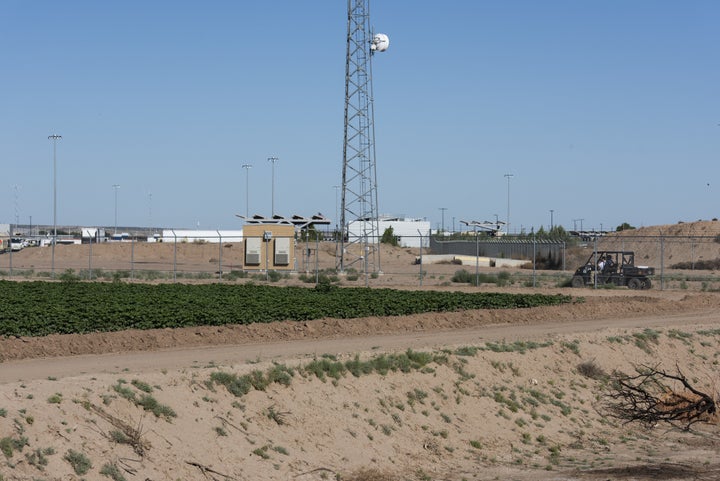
359,242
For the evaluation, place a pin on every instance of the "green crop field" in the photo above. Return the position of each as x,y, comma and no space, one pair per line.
42,308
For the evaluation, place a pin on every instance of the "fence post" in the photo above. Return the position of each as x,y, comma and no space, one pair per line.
595,263
10,251
692,254
174,256
534,254
132,258
89,256
219,254
317,261
477,258
421,262
662,261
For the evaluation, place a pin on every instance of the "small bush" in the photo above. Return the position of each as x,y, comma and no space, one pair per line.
237,386
234,275
149,403
112,472
79,462
55,398
141,385
591,370
69,276
462,276
9,445
38,457
262,452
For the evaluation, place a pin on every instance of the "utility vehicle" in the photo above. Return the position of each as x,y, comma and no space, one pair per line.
613,267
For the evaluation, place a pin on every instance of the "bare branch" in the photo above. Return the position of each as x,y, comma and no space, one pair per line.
654,396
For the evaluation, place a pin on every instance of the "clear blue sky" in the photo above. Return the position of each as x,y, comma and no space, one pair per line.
602,111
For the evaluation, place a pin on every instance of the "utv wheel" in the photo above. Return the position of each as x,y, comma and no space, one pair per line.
577,281
635,283
647,284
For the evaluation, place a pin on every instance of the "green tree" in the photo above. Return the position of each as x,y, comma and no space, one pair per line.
624,226
389,237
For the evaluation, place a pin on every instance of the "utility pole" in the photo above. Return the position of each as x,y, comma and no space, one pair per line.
273,160
442,210
247,168
54,138
551,219
149,196
507,226
116,187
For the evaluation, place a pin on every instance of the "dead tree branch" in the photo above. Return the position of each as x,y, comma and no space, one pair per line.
206,469
654,396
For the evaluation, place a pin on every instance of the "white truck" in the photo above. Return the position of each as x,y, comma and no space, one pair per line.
16,244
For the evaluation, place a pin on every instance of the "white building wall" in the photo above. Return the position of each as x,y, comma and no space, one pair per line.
407,230
171,235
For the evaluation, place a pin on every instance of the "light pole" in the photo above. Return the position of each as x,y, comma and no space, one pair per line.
116,187
247,168
443,209
508,177
272,203
149,196
54,138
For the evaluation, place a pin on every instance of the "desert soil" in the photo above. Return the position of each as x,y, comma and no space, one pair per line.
526,413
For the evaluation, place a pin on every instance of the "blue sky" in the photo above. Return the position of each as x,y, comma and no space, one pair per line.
603,111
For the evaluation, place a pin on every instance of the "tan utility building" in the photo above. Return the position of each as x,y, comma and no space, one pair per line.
269,247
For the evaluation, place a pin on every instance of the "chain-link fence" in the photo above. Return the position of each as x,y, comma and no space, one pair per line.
682,262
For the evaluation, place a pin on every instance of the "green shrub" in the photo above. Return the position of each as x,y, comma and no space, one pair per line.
274,276
389,237
143,386
79,462
463,276
9,445
234,275
112,472
55,398
149,403
69,276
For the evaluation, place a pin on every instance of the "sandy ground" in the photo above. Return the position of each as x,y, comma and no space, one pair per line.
524,414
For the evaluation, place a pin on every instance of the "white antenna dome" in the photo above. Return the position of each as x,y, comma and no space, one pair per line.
380,42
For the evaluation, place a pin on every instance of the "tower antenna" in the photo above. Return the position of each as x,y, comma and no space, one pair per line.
360,237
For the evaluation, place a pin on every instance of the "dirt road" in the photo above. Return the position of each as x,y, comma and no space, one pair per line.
143,351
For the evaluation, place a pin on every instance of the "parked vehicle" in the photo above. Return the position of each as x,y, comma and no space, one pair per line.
17,244
613,267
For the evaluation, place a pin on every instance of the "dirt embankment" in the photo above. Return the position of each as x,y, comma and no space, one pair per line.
519,412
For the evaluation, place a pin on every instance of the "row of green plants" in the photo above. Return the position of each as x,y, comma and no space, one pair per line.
42,308
69,275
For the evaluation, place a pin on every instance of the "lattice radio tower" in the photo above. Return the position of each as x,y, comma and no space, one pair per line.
360,237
